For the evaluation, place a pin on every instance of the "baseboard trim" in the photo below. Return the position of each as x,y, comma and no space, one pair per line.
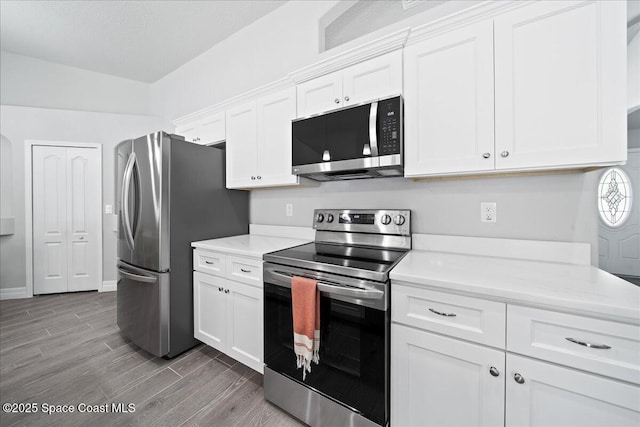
13,293
109,286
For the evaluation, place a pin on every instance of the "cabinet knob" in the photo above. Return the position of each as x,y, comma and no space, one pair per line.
504,153
253,177
337,101
259,177
346,98
486,155
494,371
518,378
194,139
226,291
220,289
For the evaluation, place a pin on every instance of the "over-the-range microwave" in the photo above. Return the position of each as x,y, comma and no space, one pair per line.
361,141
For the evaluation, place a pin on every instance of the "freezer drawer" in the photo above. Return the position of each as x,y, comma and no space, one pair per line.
143,307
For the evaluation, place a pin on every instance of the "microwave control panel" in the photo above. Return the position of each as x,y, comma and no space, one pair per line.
390,126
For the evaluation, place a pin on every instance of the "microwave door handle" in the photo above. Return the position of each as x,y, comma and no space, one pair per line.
373,127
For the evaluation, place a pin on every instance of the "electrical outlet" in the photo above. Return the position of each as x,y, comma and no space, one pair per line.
488,211
108,209
289,209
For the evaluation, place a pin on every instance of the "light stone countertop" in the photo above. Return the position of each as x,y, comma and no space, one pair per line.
578,289
249,245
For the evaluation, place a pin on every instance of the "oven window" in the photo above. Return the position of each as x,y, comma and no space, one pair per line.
353,351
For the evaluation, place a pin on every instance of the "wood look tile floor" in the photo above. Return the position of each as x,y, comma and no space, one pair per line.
66,349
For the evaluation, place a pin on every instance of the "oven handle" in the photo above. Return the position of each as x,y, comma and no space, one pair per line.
360,293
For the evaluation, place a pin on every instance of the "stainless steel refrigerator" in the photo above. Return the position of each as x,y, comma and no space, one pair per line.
169,192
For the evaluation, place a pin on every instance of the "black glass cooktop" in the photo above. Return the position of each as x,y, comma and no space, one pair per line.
338,258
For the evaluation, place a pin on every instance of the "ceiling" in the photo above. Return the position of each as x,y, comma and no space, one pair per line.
138,40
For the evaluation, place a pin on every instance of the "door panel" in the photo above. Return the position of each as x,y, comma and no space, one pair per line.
242,136
143,307
66,219
83,207
50,237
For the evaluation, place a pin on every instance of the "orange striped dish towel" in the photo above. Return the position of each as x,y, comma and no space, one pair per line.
305,304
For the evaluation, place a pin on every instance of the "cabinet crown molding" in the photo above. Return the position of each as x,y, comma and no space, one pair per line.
377,47
468,16
251,95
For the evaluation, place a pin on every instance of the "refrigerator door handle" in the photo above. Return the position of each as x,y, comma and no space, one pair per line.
137,277
126,187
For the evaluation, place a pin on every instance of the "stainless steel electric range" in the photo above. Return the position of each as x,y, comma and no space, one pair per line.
351,257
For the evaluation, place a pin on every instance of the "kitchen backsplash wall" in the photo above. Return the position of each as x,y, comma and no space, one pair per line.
556,207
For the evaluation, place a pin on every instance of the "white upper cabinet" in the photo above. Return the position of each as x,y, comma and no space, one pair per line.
558,101
449,102
205,130
275,113
376,78
259,142
241,152
561,85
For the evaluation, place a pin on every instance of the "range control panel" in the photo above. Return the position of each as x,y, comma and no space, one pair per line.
382,221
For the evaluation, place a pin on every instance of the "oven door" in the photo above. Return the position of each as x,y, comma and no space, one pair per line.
354,340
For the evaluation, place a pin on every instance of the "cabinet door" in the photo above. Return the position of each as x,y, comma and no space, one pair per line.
560,85
550,395
373,79
449,102
244,324
320,94
275,113
209,310
212,128
188,130
440,381
242,160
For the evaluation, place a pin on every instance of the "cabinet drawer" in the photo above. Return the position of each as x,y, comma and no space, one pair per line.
245,270
468,318
599,346
209,262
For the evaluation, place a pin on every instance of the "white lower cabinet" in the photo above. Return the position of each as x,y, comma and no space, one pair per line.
557,369
550,395
440,381
228,313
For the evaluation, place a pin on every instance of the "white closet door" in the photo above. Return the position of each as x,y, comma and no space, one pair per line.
83,214
66,219
50,237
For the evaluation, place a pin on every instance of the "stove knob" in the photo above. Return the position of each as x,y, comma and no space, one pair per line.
329,218
386,219
320,217
398,220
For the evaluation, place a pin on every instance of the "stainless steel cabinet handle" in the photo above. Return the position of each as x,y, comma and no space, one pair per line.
337,101
486,155
504,153
439,313
494,371
220,289
586,344
245,271
518,378
346,98
253,177
208,262
226,291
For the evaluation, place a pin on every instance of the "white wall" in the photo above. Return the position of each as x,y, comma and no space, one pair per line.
558,207
25,123
31,82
